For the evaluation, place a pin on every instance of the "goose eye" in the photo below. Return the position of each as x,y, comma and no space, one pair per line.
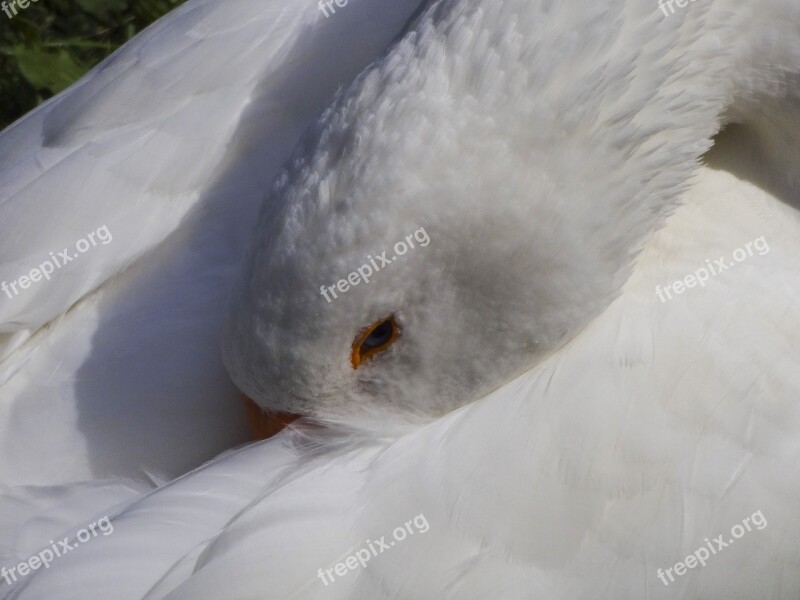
374,339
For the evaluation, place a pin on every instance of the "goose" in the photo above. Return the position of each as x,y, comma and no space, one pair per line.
511,409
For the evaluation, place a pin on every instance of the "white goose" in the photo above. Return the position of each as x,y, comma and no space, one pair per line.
541,146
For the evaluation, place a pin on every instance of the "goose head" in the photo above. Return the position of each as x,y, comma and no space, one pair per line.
437,233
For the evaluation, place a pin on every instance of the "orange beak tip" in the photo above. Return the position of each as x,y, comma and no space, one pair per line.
264,424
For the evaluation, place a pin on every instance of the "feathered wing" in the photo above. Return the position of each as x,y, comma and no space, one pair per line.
161,154
183,516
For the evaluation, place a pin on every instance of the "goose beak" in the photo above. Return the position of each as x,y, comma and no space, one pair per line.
265,424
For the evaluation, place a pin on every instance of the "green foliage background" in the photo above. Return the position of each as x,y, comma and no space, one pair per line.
50,44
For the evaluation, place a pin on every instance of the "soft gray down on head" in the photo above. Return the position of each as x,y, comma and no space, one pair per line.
536,159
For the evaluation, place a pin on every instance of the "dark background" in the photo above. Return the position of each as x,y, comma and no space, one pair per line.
50,44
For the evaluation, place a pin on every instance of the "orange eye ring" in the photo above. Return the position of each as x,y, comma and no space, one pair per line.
374,339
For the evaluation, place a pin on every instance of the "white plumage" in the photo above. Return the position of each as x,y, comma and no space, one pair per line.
634,428
171,144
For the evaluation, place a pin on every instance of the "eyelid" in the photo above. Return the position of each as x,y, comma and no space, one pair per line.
357,357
